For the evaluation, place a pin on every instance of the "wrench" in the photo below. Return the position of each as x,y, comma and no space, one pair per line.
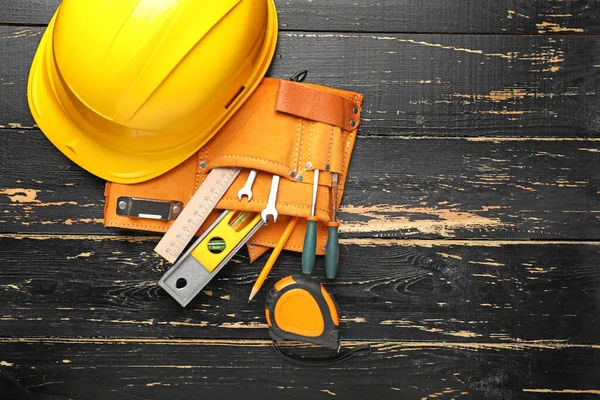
270,208
247,189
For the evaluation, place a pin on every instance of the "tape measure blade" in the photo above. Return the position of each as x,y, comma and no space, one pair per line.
195,213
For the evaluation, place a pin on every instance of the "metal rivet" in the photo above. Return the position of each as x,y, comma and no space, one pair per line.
327,168
355,110
308,165
176,210
352,123
203,164
122,205
299,178
293,174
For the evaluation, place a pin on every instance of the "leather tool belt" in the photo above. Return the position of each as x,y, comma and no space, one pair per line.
285,128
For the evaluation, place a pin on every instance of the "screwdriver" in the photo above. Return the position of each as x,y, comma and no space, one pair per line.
309,250
332,255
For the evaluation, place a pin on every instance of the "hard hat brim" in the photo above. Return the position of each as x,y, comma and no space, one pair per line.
75,139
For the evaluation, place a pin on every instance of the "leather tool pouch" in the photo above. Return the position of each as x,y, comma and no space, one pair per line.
285,128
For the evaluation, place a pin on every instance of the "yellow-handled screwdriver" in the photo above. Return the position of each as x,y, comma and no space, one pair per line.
309,251
332,255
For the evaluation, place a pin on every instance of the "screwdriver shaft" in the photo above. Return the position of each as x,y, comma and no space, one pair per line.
314,196
309,249
332,254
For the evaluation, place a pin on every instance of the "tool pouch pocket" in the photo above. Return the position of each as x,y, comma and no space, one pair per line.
285,128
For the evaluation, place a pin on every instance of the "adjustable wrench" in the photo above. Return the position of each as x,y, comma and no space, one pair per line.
270,208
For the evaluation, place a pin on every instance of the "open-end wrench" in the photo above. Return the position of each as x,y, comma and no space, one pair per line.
270,208
247,189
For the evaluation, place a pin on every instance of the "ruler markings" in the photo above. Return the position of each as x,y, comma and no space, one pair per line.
195,213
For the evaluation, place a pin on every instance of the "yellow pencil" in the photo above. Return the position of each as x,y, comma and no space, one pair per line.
273,257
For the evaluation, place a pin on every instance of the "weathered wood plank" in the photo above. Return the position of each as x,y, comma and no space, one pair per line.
81,315
416,188
393,289
100,369
453,85
424,16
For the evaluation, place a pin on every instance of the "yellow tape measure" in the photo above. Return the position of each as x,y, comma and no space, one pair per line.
195,213
300,308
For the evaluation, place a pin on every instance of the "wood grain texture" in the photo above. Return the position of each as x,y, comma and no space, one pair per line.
226,369
470,237
392,289
411,188
414,85
484,16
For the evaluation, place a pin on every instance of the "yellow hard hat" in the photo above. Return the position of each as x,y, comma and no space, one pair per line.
128,89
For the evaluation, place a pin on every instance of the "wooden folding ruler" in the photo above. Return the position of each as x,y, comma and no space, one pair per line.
195,213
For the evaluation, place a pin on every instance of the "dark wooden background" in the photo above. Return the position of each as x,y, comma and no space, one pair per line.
470,235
